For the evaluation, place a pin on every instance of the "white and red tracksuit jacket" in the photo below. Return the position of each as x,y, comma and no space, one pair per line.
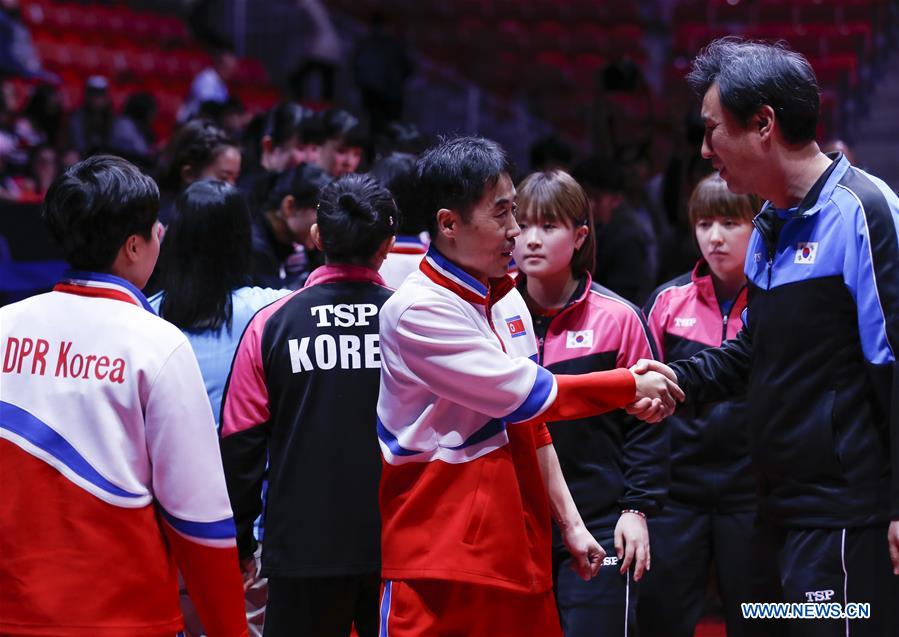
112,480
460,417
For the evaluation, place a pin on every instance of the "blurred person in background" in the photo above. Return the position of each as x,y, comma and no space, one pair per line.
624,244
90,124
198,150
396,172
43,120
344,142
132,134
18,56
381,66
210,84
550,152
283,254
710,512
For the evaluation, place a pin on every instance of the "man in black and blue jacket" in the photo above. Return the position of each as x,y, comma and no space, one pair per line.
817,355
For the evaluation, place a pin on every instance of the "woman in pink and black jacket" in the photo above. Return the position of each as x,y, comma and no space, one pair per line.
615,466
710,510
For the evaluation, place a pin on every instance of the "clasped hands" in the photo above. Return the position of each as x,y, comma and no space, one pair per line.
657,391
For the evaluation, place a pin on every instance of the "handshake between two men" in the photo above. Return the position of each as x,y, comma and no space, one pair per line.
657,391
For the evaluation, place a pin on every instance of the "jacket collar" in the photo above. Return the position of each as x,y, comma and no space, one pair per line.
101,285
408,244
819,194
702,279
343,272
447,274
577,297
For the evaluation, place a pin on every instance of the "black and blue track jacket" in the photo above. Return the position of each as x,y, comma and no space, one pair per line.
817,355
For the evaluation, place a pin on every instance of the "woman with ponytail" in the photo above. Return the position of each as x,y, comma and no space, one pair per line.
302,393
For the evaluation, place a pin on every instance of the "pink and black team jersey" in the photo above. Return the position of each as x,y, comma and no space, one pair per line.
710,458
611,461
302,395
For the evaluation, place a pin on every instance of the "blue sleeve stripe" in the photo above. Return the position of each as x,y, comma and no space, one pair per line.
38,433
536,400
392,443
876,288
385,608
218,530
486,432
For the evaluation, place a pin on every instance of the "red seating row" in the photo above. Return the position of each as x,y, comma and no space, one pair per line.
797,12
819,40
103,20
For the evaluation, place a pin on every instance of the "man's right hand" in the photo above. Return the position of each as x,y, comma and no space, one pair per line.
657,391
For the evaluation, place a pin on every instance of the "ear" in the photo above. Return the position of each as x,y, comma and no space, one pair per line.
316,237
267,144
131,249
764,120
187,174
580,235
288,205
448,222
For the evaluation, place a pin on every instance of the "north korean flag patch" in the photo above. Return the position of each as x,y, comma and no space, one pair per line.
516,326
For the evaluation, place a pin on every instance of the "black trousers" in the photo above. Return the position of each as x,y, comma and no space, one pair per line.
683,543
838,566
322,606
606,605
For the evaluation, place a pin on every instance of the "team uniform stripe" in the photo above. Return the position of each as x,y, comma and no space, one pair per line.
490,429
390,441
385,609
538,399
216,530
37,433
89,284
455,273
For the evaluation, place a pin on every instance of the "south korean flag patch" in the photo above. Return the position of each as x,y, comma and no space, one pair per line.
805,253
579,339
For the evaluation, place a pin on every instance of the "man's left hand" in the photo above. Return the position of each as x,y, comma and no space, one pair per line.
586,553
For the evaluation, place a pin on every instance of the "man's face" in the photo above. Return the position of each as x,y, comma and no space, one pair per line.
483,245
733,149
339,159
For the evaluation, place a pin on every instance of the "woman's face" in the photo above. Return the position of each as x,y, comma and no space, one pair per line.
545,248
723,242
225,167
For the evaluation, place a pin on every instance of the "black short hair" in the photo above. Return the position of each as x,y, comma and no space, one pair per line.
355,215
456,173
303,182
283,122
396,172
205,256
344,127
95,205
752,74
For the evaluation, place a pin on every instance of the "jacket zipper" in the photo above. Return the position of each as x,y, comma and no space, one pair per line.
726,317
769,247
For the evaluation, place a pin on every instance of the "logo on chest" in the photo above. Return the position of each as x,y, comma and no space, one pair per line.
806,252
680,321
516,326
579,339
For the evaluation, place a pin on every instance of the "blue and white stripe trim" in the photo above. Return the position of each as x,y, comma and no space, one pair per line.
455,273
107,281
542,395
218,533
385,609
38,439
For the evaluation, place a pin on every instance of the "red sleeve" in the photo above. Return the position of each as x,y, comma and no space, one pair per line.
584,395
541,435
